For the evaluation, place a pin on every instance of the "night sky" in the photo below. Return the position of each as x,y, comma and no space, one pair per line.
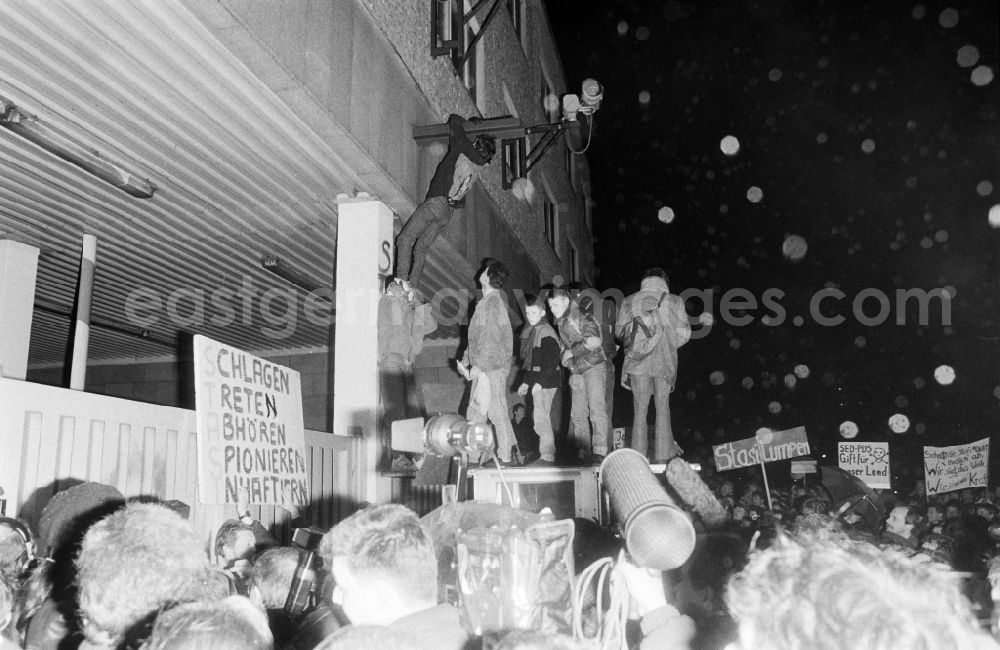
869,159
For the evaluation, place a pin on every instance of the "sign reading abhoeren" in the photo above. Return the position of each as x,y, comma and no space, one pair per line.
774,445
869,461
250,428
957,467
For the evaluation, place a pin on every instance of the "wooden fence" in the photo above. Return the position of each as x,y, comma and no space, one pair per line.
52,438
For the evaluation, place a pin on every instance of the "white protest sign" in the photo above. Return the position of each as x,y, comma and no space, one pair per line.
775,445
250,430
957,467
869,461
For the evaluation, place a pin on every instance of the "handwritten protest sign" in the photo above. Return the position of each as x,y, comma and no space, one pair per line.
250,428
869,461
778,445
960,466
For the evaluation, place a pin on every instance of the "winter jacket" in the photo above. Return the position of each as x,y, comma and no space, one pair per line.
540,356
491,339
662,362
575,327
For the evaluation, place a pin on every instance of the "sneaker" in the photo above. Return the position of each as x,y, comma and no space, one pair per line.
541,462
596,459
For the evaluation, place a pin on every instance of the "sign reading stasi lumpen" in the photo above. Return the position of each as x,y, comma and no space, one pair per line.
250,427
774,445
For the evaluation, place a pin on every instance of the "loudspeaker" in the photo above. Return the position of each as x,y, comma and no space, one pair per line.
658,534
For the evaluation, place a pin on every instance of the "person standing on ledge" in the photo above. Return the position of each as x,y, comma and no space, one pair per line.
652,324
488,356
451,182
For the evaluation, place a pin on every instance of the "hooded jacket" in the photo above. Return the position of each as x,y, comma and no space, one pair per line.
676,329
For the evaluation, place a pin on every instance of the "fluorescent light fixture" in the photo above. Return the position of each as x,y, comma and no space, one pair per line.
275,265
32,129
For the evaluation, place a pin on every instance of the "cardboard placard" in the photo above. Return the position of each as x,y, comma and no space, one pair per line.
767,448
953,468
869,461
250,427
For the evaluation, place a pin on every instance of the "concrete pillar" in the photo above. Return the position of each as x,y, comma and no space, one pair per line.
364,258
84,296
18,269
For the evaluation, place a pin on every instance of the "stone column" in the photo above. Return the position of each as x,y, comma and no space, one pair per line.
363,259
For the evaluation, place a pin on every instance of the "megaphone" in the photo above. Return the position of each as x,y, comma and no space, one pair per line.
658,534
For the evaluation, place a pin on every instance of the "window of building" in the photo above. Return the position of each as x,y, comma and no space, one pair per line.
470,72
516,9
574,264
550,217
514,152
446,23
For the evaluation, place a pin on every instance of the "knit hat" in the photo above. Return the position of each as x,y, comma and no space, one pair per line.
70,509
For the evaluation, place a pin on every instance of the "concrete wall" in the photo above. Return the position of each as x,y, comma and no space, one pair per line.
368,63
511,83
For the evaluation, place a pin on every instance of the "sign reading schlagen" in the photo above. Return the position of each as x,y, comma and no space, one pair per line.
250,428
953,468
767,445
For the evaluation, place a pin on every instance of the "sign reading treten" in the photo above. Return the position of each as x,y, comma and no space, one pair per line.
250,431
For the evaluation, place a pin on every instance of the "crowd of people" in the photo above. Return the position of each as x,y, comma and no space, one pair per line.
105,572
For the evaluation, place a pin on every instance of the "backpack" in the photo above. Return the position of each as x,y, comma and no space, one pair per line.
643,334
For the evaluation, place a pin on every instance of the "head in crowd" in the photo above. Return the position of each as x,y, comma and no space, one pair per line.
559,301
271,576
939,548
232,623
70,512
826,592
935,514
384,564
519,412
902,520
233,542
17,548
534,309
8,608
368,637
953,509
132,563
486,146
987,511
494,274
656,272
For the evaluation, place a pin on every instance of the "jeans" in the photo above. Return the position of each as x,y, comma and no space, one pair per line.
496,413
588,403
541,415
416,237
609,391
643,388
